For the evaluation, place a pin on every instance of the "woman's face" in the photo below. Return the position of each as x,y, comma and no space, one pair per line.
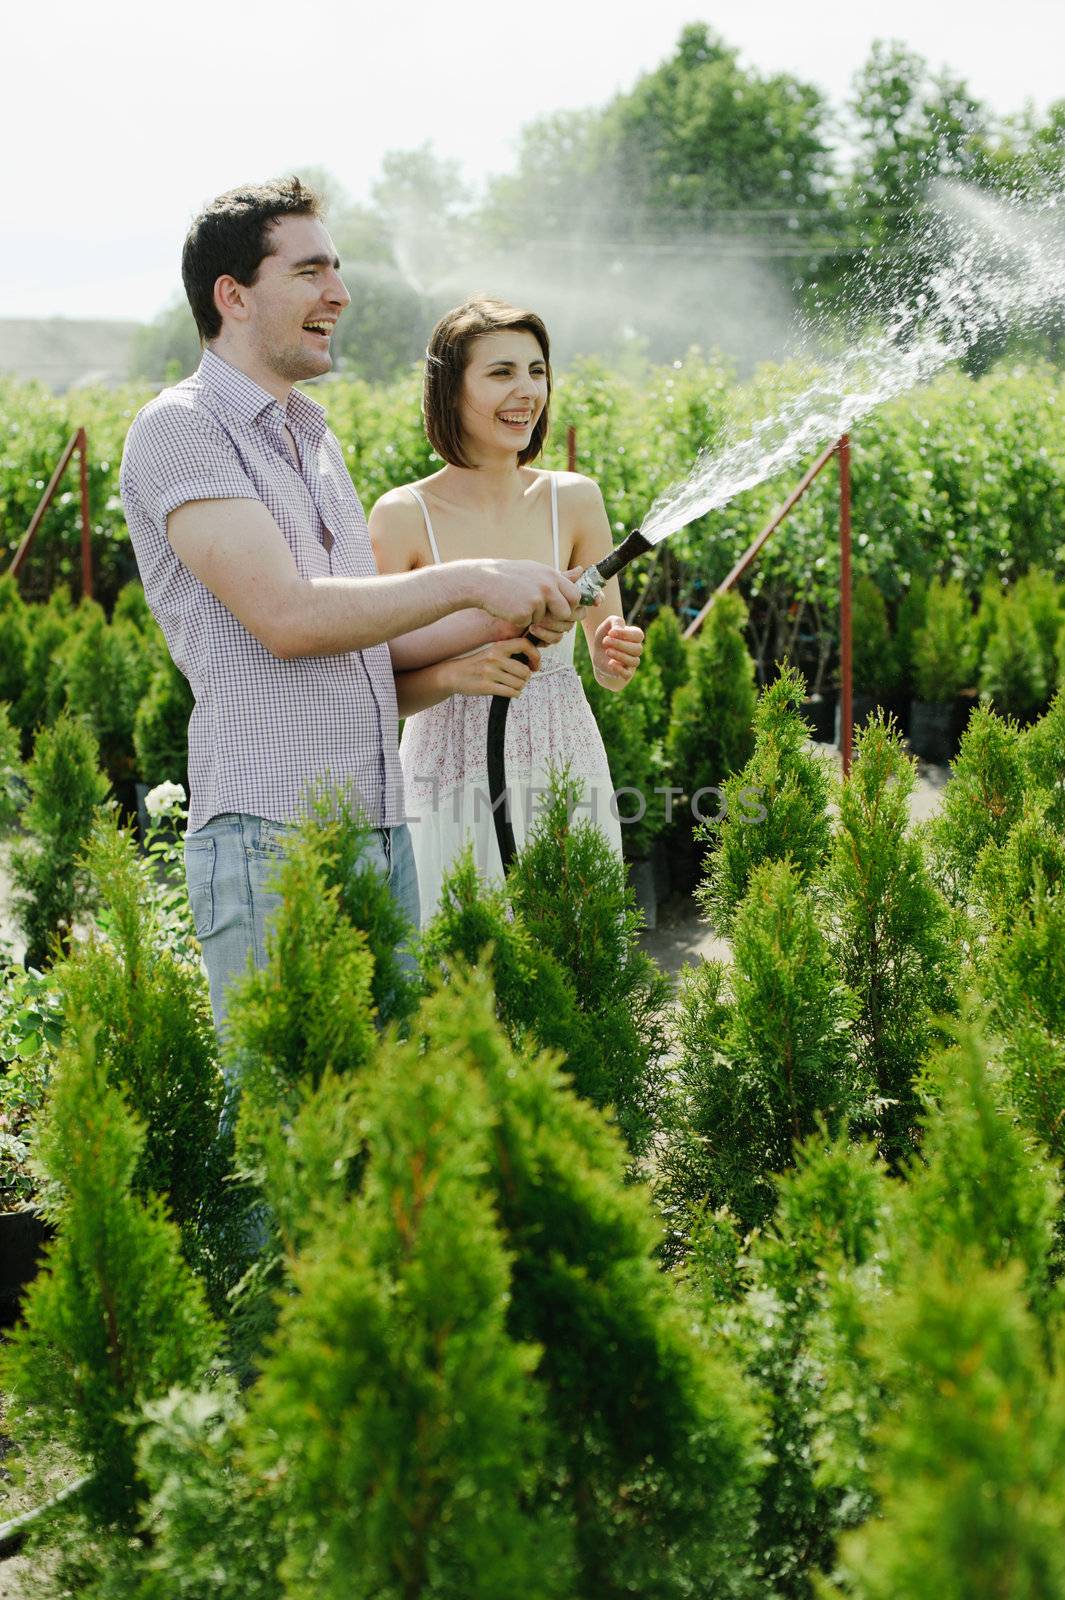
504,391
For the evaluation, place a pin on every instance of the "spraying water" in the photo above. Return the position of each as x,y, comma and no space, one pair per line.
1000,264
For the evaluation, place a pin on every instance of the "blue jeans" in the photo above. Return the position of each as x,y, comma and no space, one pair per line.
231,867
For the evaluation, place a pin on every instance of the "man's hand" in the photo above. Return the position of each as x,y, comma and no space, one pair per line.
616,652
524,593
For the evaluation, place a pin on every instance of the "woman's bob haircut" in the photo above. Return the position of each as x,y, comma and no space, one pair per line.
445,364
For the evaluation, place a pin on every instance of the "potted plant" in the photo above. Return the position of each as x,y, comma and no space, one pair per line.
874,669
1013,672
943,662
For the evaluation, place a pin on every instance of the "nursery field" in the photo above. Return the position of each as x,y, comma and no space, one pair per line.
530,1266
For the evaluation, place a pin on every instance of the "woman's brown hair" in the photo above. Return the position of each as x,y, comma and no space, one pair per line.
445,364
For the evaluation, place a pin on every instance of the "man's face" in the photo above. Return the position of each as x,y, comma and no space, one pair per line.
295,301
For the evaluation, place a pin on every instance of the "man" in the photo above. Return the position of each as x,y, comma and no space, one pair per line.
256,561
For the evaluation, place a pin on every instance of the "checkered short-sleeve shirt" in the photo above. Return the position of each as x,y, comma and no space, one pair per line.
263,731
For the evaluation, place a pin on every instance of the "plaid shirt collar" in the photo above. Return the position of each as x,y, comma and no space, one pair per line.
241,394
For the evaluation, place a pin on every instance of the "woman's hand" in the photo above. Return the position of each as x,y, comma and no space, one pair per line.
497,669
616,652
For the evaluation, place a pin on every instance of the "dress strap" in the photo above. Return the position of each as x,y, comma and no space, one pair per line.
429,524
554,517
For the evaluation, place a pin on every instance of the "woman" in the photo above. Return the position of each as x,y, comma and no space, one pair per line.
487,391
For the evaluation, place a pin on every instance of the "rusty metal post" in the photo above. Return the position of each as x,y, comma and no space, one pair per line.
86,528
846,701
571,448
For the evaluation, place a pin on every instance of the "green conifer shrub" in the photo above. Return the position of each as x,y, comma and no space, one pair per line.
161,726
12,786
1039,597
131,606
944,660
970,1472
758,1072
794,1316
981,803
1013,673
115,1316
106,670
667,650
1008,878
569,887
43,691
892,932
627,722
1043,753
874,665
538,1005
393,1400
909,619
66,790
14,640
786,782
155,1041
983,1187
712,714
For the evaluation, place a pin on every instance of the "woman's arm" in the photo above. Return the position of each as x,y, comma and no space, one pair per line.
615,648
497,669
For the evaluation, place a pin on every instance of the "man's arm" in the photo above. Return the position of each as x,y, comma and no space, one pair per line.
237,551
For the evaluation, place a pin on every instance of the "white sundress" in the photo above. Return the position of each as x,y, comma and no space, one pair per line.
443,753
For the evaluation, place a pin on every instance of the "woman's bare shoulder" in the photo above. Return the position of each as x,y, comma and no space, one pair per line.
397,529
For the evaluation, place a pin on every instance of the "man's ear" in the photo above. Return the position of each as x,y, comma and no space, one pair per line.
230,298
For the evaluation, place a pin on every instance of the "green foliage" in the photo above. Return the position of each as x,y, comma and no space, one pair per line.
667,650
627,722
31,1027
1014,672
115,1316
942,647
710,724
161,727
131,606
790,785
66,790
757,1073
12,788
790,1324
43,692
983,800
392,1383
983,1187
155,1042
14,639
909,619
892,932
1043,753
874,664
106,670
566,967
970,1475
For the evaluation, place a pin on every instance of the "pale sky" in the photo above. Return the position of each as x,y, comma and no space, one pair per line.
118,120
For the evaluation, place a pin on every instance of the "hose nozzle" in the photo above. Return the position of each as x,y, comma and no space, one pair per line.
591,581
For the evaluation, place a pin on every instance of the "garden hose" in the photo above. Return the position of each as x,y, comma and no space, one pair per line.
589,587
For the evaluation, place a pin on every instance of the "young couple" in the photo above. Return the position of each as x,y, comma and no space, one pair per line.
305,634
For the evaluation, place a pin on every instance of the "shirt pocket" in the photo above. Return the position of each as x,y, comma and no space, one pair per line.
199,877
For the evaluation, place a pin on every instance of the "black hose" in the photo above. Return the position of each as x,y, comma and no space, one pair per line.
590,583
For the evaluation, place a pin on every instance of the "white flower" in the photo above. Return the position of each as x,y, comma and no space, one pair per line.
163,798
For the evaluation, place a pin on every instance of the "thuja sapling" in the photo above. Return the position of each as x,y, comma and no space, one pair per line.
1043,755
14,639
761,1064
42,694
981,803
66,791
670,653
1013,672
155,1041
793,788
969,1470
536,998
891,931
115,1316
712,713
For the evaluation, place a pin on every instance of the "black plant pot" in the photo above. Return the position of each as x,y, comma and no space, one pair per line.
964,706
23,1235
932,731
819,711
862,708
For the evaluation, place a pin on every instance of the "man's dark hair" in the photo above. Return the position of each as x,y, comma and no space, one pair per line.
231,236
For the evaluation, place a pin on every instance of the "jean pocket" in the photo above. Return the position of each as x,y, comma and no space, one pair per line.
199,876
273,838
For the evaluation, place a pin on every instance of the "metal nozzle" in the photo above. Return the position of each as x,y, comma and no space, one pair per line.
591,581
